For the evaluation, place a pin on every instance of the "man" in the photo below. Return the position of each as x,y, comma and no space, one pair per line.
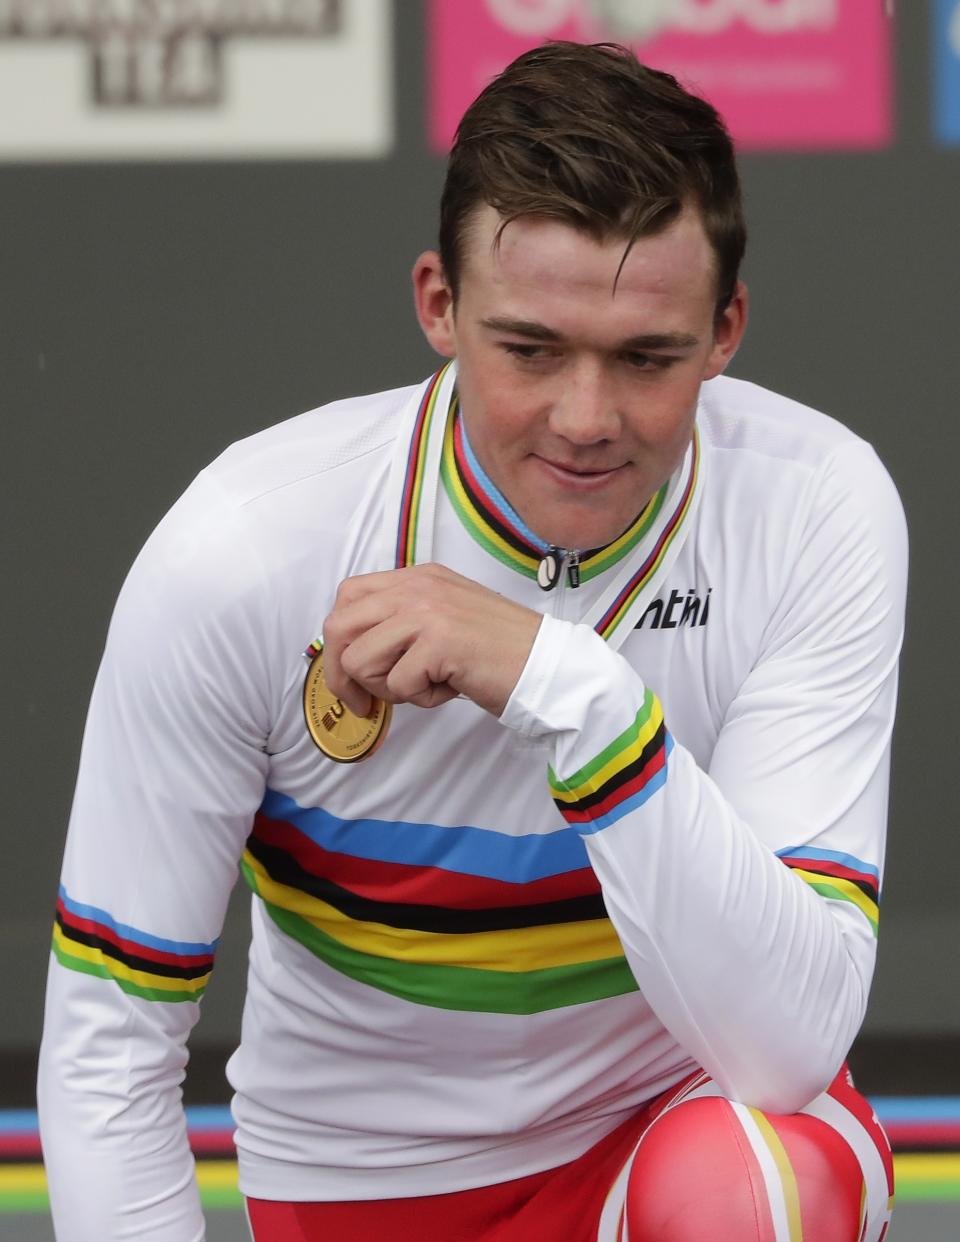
575,943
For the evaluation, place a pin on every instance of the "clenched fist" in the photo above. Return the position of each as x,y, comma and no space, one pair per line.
424,635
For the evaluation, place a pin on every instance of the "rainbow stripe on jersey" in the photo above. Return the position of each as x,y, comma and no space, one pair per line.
89,940
838,877
458,917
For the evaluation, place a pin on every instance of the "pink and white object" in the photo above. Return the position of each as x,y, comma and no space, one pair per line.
785,74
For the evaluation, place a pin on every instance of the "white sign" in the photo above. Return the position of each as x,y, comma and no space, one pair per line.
195,79
639,19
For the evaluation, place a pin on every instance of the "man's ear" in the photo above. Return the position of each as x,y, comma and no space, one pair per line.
433,301
728,332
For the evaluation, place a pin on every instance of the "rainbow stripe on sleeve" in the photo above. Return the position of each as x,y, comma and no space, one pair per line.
453,917
622,777
838,877
89,940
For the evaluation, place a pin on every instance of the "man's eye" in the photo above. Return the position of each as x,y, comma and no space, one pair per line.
648,362
519,350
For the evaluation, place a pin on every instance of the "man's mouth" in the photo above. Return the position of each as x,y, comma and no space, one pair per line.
578,474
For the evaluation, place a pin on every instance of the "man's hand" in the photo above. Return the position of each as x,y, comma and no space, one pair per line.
424,635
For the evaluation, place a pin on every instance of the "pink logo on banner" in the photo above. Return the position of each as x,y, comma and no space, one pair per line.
785,74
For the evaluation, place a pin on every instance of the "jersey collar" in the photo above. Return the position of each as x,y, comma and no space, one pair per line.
493,522
432,448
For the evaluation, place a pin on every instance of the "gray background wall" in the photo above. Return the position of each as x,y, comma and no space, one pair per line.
151,314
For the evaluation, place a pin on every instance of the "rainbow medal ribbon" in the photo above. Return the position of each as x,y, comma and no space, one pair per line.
411,501
411,492
621,606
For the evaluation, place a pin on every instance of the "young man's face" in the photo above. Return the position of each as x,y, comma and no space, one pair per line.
579,400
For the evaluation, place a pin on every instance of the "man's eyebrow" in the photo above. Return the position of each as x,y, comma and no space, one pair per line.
521,327
540,332
661,340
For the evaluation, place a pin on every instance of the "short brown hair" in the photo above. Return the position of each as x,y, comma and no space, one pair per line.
586,134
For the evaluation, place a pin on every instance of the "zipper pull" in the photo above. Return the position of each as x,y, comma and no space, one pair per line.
549,569
573,568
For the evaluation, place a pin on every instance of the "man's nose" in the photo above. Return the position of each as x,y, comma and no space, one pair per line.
585,411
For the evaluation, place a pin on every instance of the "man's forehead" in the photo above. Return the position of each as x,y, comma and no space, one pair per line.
545,252
487,232
487,236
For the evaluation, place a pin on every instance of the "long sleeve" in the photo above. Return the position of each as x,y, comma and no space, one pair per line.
745,891
172,770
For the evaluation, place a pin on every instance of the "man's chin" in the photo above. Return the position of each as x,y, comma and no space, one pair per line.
581,514
582,534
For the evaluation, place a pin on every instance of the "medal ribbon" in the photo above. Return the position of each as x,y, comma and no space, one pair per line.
419,489
631,591
409,490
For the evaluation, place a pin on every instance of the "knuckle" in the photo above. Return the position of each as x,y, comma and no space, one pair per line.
346,591
348,665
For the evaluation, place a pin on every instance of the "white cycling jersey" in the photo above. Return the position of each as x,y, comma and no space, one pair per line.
476,951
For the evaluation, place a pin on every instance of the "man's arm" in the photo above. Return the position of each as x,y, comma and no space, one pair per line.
172,771
759,965
745,896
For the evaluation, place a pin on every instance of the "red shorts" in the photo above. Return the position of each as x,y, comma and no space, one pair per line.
691,1166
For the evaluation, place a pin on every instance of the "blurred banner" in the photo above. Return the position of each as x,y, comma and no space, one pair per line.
785,74
946,35
189,79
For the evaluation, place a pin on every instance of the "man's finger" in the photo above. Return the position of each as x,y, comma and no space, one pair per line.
362,585
355,698
355,613
371,659
413,679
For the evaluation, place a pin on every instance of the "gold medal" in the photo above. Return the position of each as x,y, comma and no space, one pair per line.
340,734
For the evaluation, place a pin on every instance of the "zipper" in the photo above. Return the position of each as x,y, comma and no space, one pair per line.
554,561
550,568
558,570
